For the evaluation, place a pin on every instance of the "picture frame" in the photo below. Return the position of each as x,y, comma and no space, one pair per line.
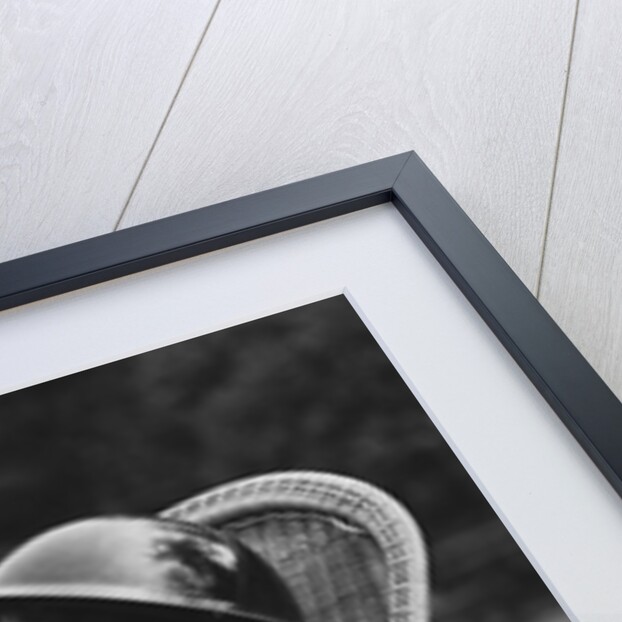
553,366
565,379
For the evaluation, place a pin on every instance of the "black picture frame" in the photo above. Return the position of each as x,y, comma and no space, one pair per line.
572,388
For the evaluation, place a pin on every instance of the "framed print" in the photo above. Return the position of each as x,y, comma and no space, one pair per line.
533,425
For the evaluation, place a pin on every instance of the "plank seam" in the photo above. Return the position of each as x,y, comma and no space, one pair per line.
166,115
547,218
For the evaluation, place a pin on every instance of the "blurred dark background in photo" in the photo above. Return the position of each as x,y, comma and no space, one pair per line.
305,389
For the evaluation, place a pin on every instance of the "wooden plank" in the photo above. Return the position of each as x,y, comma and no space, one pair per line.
582,272
84,87
283,91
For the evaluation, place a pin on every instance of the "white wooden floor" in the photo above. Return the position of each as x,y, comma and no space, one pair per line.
115,113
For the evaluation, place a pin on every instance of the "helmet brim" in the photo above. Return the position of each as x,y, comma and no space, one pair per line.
346,550
121,605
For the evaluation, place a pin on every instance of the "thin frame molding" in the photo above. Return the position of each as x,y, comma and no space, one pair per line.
568,383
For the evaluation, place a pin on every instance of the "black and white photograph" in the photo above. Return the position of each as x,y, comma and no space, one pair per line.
324,463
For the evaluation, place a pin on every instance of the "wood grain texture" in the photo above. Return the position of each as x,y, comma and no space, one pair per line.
283,91
582,272
84,87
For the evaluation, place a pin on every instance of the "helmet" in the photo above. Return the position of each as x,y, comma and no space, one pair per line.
145,562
